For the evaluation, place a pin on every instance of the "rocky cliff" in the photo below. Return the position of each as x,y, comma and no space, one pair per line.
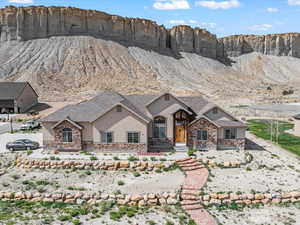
26,23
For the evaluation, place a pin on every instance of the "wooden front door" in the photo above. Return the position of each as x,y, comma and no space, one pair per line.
180,134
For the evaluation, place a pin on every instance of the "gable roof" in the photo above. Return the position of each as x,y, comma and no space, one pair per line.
12,90
89,111
70,121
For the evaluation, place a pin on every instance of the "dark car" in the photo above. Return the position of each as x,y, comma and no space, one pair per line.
22,144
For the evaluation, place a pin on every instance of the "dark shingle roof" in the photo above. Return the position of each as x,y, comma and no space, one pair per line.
229,123
11,90
91,110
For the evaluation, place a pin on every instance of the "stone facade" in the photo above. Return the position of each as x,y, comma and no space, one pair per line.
76,143
238,144
212,130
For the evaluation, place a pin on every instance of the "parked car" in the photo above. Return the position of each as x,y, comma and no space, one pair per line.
29,125
22,144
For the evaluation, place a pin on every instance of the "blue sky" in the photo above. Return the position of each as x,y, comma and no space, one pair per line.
222,17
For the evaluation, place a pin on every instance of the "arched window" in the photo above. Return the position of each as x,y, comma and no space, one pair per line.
67,135
160,127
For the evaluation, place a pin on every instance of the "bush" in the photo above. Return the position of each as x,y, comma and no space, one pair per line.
191,152
162,159
136,174
76,222
153,158
116,158
29,152
120,182
93,158
158,170
132,158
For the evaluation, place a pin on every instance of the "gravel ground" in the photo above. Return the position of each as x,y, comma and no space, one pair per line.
261,216
16,179
272,169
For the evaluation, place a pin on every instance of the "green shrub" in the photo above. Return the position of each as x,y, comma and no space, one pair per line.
120,182
93,158
153,158
76,222
64,218
29,152
191,152
151,222
158,170
136,174
132,158
116,158
115,215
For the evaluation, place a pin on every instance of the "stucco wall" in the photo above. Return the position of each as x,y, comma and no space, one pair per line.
48,132
165,108
221,115
119,123
27,99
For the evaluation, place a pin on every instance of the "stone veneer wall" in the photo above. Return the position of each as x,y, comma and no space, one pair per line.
235,143
76,144
211,143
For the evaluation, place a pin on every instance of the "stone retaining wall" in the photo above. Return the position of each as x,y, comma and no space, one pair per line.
96,165
80,198
248,199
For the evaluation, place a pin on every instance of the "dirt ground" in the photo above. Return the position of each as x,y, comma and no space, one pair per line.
17,179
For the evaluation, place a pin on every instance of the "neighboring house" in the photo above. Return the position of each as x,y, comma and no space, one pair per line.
114,122
17,97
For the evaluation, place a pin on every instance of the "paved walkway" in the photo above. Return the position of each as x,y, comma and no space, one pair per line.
196,176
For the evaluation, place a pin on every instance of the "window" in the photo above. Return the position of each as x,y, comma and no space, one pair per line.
215,110
107,137
160,127
119,108
133,137
67,135
202,135
230,133
167,97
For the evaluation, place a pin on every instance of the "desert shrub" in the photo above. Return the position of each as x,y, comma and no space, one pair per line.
132,158
136,174
120,182
93,158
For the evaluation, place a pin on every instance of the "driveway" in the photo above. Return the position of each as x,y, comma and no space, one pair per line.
5,127
8,137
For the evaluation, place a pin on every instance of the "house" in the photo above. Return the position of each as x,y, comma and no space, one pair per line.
17,97
115,122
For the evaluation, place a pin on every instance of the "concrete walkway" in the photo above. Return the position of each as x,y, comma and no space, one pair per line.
196,177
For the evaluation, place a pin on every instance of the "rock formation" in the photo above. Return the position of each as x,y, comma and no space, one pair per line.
26,23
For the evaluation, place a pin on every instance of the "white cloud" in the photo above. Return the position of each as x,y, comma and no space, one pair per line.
177,22
294,2
260,27
272,10
171,4
211,4
21,1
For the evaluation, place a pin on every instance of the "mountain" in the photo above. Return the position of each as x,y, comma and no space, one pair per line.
63,51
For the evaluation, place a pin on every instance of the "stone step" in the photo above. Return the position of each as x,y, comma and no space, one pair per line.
190,192
187,162
193,168
183,160
191,164
190,188
189,202
192,207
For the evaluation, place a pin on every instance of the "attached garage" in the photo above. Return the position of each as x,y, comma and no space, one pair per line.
17,97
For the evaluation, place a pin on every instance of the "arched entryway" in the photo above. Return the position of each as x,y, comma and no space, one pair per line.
181,120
